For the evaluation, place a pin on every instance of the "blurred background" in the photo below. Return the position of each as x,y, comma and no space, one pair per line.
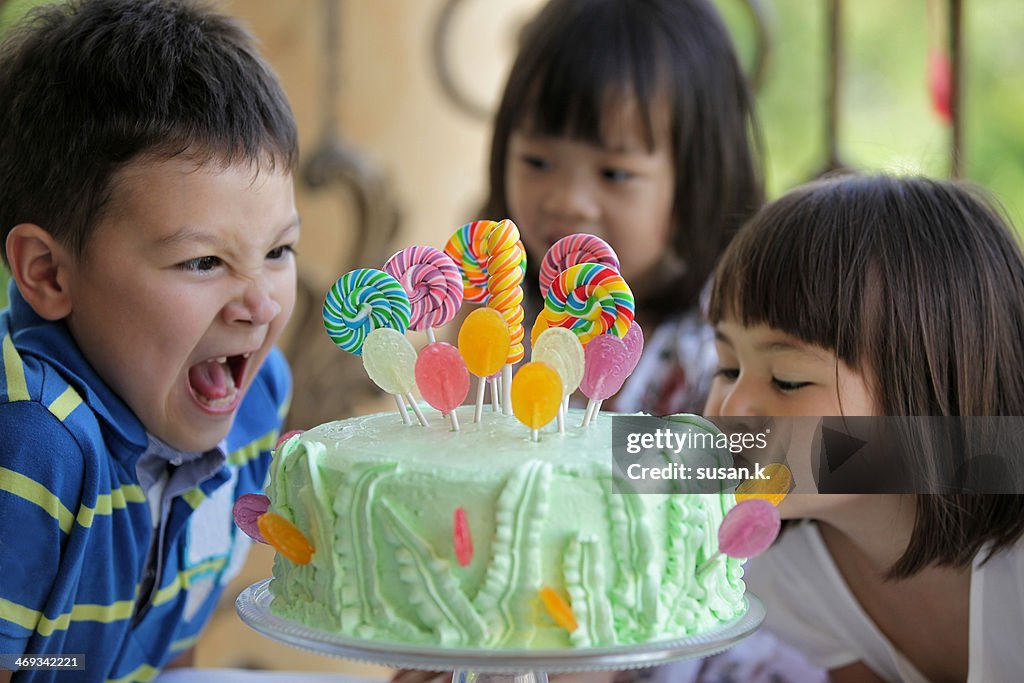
393,100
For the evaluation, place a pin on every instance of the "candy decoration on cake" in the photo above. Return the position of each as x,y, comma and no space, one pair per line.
433,283
590,299
634,341
390,361
747,530
462,539
572,250
558,609
483,342
536,395
442,378
247,511
774,488
505,253
607,365
287,435
561,349
361,301
286,538
467,248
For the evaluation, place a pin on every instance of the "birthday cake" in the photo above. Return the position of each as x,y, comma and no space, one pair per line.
379,501
506,532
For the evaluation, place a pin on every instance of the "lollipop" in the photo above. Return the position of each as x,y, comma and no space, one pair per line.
433,283
748,529
572,250
442,378
559,348
361,301
505,292
778,482
390,361
536,395
247,511
467,248
483,343
634,340
606,369
589,299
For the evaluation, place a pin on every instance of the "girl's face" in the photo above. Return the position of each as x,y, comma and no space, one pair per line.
763,372
618,190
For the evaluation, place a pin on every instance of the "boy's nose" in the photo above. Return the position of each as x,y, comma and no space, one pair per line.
256,306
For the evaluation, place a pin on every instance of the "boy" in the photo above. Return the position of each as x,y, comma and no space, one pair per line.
146,202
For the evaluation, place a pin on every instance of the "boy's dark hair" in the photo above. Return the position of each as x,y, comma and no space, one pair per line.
577,53
91,85
919,285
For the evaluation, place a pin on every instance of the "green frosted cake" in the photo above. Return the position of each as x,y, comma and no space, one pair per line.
377,501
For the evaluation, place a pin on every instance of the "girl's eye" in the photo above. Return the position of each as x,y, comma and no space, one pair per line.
728,373
616,175
201,264
278,253
783,385
535,162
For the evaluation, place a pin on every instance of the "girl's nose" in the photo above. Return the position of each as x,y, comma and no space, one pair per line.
742,400
256,306
571,197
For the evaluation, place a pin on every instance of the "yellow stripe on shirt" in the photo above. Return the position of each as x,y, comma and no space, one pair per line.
17,389
34,492
65,403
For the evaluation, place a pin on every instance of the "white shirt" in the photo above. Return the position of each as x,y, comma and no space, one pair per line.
810,606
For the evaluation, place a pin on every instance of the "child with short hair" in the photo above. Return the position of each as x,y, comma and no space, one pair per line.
146,202
882,296
632,120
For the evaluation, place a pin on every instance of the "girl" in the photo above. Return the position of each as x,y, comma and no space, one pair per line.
631,120
883,296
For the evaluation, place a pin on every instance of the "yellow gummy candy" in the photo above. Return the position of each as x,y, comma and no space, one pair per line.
773,489
536,394
285,538
559,610
484,341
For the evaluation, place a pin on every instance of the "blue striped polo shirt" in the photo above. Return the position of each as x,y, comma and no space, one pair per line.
75,526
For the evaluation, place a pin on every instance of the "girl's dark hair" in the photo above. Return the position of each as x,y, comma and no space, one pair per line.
918,284
88,86
577,53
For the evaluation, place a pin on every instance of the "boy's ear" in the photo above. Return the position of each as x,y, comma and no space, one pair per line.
41,268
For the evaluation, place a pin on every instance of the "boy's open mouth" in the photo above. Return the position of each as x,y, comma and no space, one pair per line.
215,382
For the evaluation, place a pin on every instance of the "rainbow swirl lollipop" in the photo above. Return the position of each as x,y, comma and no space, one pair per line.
361,301
590,299
467,247
573,250
432,281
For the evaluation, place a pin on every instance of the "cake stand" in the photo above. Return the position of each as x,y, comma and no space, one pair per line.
497,665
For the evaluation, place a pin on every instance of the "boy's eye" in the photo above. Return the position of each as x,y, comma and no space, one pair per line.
201,264
280,252
616,175
788,386
538,163
728,373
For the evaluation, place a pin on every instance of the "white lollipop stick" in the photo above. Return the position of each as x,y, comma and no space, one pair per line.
506,389
400,402
480,386
534,435
494,393
561,418
430,335
455,421
416,409
588,416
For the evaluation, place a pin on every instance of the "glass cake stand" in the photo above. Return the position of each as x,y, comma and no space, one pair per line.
497,666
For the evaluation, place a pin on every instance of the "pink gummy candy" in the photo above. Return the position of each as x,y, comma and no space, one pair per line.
749,528
606,368
248,509
441,376
634,341
286,436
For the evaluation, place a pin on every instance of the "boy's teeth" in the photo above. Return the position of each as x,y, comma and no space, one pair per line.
246,354
222,359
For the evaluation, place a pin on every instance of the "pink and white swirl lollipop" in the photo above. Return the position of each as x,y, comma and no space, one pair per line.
433,283
572,250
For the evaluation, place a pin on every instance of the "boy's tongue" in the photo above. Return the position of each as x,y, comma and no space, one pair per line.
211,379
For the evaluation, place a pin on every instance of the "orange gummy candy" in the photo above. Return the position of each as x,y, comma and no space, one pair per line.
559,610
285,538
778,482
